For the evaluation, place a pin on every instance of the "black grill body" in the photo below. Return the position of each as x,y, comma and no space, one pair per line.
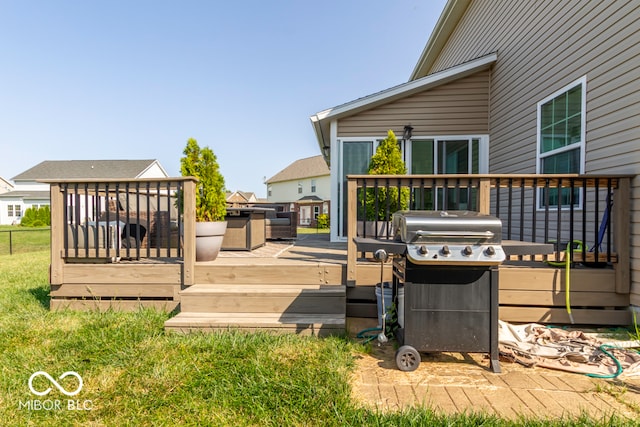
449,308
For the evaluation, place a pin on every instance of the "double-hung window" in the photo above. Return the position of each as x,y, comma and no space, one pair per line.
560,141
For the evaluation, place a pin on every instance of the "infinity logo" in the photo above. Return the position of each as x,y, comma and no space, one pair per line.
55,383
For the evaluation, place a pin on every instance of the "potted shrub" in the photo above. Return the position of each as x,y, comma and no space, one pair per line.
387,160
211,204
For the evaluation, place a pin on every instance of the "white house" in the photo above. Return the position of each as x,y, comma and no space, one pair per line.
29,192
305,185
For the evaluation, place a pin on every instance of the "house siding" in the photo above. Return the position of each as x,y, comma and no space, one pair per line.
459,107
542,46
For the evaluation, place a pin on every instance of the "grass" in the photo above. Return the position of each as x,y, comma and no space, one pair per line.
136,374
16,239
311,230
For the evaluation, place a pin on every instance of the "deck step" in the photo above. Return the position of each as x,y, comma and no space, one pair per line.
253,298
299,323
303,309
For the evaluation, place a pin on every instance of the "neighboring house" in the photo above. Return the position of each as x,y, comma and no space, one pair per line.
7,213
5,186
241,198
305,186
28,192
507,87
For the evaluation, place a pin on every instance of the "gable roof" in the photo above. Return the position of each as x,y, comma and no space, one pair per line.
301,169
240,196
91,169
321,121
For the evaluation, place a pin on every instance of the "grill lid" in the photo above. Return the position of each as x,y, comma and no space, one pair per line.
446,237
444,226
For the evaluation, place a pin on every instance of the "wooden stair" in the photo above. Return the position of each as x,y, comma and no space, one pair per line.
309,309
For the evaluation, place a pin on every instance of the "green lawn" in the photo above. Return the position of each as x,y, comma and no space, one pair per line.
135,374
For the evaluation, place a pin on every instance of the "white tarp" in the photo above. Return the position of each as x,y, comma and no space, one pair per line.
568,350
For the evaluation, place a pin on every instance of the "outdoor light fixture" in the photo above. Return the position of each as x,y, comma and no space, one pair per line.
326,150
407,132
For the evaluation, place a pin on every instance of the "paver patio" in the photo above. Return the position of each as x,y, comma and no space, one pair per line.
458,383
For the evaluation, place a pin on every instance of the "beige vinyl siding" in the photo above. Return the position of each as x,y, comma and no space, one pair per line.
456,108
542,46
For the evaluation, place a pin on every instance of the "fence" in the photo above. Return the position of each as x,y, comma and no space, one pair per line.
22,240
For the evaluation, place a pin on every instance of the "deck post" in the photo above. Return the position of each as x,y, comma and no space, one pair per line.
189,238
352,254
58,228
621,224
484,196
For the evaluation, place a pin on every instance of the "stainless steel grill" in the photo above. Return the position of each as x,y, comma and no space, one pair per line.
449,273
450,237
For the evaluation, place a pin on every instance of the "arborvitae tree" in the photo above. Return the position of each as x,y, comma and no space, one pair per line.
211,203
387,160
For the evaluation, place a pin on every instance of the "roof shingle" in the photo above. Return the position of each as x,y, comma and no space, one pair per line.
79,169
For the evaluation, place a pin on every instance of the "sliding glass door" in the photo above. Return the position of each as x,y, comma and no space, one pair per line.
446,156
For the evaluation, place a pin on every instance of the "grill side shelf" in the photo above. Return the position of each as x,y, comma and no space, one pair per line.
367,244
516,247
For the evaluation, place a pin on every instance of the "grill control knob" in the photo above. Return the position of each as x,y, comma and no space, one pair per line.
467,251
446,251
491,251
422,250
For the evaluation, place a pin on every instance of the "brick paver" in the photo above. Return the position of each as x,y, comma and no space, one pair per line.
457,383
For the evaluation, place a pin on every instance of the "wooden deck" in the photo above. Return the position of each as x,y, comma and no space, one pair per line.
301,286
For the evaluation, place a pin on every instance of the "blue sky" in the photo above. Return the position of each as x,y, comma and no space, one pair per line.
135,79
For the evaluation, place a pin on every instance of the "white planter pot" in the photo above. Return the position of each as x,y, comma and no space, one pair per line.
382,227
209,236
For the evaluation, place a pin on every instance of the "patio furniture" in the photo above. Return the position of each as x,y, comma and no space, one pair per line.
245,229
281,225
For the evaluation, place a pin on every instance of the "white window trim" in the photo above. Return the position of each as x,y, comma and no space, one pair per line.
339,145
583,122
581,145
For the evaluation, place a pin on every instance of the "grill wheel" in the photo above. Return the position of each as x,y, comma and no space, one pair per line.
407,358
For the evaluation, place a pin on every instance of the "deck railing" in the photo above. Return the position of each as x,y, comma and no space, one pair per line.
590,211
114,220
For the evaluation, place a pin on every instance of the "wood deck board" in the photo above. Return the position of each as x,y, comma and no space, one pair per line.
546,298
256,304
544,278
126,290
316,324
256,289
560,316
122,273
115,304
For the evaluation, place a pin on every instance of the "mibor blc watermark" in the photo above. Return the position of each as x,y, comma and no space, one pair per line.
74,387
